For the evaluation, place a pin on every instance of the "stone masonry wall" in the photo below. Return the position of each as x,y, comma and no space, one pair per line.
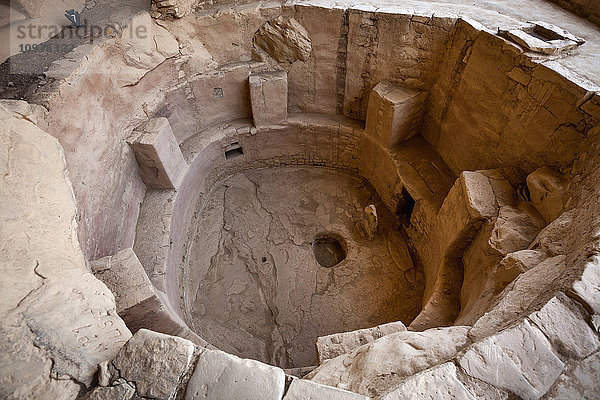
509,110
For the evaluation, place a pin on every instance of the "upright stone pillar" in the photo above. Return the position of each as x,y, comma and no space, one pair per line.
394,113
269,95
158,155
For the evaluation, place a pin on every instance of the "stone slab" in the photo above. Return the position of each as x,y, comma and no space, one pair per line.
519,360
564,323
439,382
331,346
301,389
219,375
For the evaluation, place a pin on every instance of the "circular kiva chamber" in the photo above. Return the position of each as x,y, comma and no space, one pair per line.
364,192
285,242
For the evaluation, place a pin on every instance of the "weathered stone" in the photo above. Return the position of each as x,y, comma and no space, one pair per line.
579,382
480,389
520,298
564,323
334,345
513,265
370,221
519,360
155,362
138,302
439,382
104,374
377,367
587,289
547,191
301,389
158,155
284,39
269,97
394,113
167,9
58,321
514,229
469,203
543,37
121,391
552,239
125,277
219,375
144,46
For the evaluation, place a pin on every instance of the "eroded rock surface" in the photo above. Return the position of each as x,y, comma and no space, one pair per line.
284,39
58,322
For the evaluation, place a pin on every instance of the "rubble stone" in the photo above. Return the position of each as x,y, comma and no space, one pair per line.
155,362
547,191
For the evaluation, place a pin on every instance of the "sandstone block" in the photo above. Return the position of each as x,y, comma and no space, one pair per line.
394,113
158,154
480,198
565,325
301,389
220,375
439,382
519,360
155,362
268,95
331,346
547,191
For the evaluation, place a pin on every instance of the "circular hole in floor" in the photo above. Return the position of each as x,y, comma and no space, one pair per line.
328,250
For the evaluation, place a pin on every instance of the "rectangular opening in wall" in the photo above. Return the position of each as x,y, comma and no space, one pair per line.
406,205
234,151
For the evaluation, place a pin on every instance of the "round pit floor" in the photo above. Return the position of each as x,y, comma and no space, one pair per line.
253,286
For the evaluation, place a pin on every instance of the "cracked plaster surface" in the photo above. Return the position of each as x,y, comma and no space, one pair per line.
253,284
